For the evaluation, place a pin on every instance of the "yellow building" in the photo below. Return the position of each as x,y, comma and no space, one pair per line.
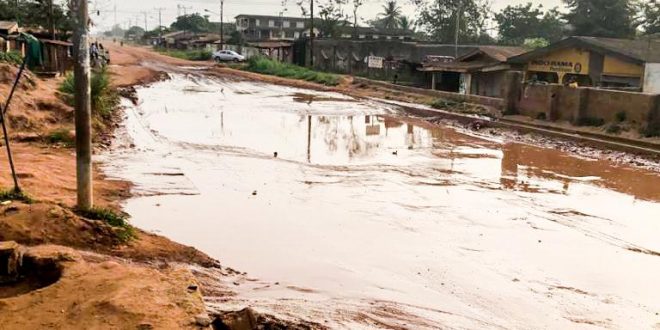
591,61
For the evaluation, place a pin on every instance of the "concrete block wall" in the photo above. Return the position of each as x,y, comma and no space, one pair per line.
575,105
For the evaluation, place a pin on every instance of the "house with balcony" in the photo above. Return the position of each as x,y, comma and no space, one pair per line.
262,27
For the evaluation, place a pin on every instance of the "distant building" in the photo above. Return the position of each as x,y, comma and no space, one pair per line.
600,62
479,71
373,33
260,27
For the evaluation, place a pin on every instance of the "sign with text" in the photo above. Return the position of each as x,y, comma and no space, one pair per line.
375,62
575,61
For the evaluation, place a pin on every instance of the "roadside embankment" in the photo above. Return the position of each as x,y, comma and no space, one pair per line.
108,280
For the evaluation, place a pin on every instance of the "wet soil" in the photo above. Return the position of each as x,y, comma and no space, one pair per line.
352,215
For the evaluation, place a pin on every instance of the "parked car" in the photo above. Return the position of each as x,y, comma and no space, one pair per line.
228,56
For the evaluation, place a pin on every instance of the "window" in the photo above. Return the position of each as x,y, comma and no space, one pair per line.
286,24
271,23
362,36
257,23
300,25
296,35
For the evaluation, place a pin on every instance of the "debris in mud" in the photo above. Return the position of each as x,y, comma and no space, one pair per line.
254,193
275,154
247,319
129,93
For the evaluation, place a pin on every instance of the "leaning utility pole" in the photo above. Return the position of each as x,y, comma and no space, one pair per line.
83,104
311,33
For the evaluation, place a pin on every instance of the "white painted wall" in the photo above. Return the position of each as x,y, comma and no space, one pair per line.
652,78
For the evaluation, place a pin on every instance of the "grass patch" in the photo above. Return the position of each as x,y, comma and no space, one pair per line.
125,233
105,98
267,66
12,57
591,121
61,136
13,195
191,55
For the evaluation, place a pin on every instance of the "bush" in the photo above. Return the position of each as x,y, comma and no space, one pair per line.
267,66
591,121
112,218
62,136
621,116
614,129
12,57
191,55
104,97
650,131
13,195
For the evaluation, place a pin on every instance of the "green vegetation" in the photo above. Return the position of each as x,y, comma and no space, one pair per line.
614,129
621,116
650,131
61,136
125,233
591,121
271,67
13,195
104,97
12,57
191,55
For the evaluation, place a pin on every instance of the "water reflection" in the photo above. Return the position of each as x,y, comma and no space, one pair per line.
386,140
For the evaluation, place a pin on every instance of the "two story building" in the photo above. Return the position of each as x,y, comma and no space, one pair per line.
262,27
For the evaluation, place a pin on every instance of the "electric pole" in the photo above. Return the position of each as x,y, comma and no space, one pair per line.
222,24
311,33
458,27
160,25
83,105
51,20
146,27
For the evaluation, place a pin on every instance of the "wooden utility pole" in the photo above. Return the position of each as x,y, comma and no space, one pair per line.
83,105
222,24
311,33
51,20
160,25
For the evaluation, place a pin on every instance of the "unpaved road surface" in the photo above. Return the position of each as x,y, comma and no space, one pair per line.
366,219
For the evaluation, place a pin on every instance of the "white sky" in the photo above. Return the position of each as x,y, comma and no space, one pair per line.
133,10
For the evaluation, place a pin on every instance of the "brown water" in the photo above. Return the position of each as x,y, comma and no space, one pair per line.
366,219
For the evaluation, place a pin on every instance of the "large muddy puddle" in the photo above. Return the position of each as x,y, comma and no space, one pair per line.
349,214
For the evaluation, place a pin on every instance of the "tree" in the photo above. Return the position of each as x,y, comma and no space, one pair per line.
438,19
356,5
407,24
519,23
389,18
601,18
192,23
39,14
134,32
331,18
651,18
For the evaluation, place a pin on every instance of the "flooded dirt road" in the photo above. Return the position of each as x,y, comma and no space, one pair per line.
348,214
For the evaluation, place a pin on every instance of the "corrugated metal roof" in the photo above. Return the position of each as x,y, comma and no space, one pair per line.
634,50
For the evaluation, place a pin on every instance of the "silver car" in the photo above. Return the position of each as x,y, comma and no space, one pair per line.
228,56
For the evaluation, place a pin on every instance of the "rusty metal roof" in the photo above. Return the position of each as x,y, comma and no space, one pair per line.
632,50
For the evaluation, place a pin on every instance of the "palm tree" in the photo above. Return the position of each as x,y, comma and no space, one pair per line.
407,24
390,16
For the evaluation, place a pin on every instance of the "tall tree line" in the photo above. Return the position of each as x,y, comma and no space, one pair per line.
36,13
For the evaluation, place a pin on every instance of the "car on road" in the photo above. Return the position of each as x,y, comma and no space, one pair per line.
228,56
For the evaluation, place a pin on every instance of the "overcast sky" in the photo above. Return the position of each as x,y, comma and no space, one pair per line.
133,11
